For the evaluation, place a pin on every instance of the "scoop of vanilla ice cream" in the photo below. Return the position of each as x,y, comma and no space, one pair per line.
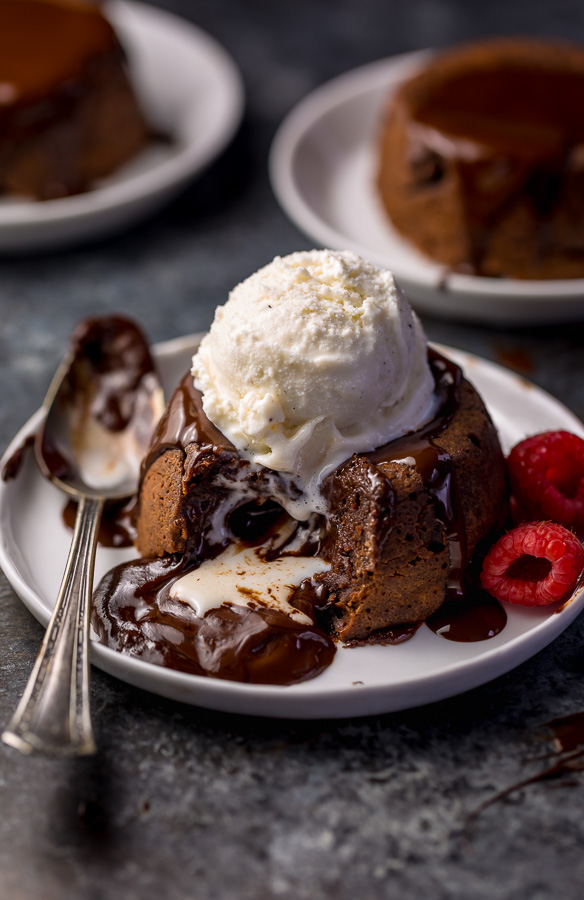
314,357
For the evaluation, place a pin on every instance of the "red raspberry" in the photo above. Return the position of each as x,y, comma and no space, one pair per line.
533,564
547,477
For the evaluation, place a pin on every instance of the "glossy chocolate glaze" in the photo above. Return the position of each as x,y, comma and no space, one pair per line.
116,526
518,110
506,128
184,422
134,612
115,358
45,48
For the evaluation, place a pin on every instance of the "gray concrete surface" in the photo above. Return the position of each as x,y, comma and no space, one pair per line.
185,803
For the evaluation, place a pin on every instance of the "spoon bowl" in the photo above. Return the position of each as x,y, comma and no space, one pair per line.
100,411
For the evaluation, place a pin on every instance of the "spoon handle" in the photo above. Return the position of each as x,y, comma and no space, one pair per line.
53,715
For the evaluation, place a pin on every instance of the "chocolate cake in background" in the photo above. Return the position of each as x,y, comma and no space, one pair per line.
482,159
68,113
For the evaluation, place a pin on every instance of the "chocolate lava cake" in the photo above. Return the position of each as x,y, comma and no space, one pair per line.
482,159
68,113
398,535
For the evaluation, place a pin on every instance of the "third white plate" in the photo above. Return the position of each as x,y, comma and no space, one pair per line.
322,166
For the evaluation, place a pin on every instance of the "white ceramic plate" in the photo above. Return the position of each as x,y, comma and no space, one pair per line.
322,166
361,681
189,88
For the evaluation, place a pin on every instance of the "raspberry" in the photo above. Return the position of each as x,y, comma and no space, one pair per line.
533,564
547,477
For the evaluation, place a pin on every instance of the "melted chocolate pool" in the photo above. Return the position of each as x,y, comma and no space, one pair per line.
135,613
116,527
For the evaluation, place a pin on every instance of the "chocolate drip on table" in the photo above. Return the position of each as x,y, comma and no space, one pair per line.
565,761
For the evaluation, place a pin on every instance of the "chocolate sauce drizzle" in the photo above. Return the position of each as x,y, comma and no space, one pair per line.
508,128
468,613
567,759
116,527
14,463
134,612
435,465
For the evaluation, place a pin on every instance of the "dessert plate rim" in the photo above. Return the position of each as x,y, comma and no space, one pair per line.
361,681
325,184
157,43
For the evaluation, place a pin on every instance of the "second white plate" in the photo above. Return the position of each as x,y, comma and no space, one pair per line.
361,681
323,166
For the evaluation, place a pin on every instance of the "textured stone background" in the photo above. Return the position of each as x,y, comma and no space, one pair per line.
181,802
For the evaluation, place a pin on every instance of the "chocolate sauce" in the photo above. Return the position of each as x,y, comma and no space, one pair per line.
506,129
184,422
114,359
14,463
134,612
116,527
518,110
110,373
435,467
45,52
474,617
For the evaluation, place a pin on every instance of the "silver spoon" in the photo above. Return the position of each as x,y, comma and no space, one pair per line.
101,409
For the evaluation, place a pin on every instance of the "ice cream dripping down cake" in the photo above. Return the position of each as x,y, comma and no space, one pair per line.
320,477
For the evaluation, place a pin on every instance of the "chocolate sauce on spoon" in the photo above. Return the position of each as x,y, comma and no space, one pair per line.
99,413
